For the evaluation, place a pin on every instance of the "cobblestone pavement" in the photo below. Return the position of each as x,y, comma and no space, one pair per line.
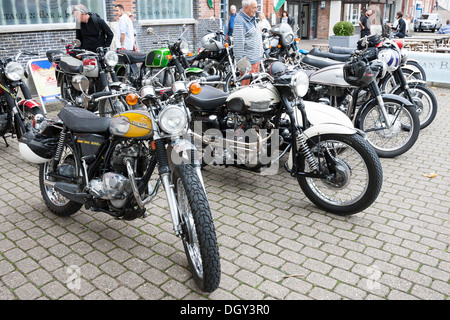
274,244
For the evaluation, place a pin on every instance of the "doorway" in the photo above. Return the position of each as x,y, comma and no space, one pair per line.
301,12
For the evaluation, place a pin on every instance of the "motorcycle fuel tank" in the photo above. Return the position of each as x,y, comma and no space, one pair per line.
132,124
330,76
157,58
256,95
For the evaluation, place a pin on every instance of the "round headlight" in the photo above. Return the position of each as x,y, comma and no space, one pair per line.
173,119
300,83
289,38
14,71
111,58
184,47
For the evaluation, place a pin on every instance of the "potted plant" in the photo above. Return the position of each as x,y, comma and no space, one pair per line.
344,35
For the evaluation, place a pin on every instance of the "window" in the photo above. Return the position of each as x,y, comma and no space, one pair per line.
23,12
164,9
352,13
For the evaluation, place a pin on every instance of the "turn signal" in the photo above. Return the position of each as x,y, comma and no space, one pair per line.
169,57
132,99
195,88
226,45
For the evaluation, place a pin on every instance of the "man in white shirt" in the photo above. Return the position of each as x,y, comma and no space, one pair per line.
125,35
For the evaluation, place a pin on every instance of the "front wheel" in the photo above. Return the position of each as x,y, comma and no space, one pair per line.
399,137
199,236
425,102
351,174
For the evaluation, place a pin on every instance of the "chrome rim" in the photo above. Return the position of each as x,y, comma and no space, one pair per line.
351,180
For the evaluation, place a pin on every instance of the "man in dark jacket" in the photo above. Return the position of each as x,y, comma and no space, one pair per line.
92,31
400,27
364,23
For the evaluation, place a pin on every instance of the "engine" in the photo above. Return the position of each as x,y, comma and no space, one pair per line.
115,186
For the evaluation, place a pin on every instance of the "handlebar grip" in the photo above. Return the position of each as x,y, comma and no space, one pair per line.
101,94
212,78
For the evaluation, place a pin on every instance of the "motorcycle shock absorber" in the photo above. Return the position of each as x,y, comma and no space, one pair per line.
59,149
306,151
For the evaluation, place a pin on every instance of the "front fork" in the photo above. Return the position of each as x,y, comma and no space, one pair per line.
375,89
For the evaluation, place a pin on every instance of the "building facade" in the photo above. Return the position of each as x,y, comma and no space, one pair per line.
40,25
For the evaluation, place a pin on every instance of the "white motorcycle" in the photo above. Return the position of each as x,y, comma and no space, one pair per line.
335,166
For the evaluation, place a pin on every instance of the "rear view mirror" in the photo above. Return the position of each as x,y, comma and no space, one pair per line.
244,65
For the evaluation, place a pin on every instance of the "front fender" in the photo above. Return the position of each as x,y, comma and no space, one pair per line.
386,98
411,68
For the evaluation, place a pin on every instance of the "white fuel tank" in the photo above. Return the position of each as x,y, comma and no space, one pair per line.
330,76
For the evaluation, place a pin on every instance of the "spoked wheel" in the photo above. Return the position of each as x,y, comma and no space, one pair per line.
56,202
425,102
199,236
402,134
351,174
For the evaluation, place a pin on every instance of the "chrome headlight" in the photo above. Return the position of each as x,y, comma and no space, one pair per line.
173,119
288,39
184,47
14,71
300,83
111,58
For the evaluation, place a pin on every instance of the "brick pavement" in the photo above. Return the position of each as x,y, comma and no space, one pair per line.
274,244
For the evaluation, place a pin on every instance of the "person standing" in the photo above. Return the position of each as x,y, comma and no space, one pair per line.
364,23
92,31
286,19
247,36
233,15
263,22
125,34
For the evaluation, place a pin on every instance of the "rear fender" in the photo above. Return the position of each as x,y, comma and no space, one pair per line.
31,104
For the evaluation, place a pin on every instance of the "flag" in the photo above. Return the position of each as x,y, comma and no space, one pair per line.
279,5
210,4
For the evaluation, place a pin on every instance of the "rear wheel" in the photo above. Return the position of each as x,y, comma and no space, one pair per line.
57,203
199,236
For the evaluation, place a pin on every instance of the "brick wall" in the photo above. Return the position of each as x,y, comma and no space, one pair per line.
323,24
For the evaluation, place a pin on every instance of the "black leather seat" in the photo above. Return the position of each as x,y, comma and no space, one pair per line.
71,65
319,62
208,99
52,55
341,50
129,57
83,121
333,56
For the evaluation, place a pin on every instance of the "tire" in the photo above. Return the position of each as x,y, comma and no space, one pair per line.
230,85
392,142
358,178
423,74
425,102
199,236
58,204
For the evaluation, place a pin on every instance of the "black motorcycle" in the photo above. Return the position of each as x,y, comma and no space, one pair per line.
81,73
16,114
106,164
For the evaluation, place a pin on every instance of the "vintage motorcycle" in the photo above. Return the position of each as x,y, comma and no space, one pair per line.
80,73
335,167
106,164
397,80
390,121
16,115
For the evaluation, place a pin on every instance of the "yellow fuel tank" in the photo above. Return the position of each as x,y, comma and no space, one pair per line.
132,124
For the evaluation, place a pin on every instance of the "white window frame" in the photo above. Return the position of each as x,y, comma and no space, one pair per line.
45,26
167,22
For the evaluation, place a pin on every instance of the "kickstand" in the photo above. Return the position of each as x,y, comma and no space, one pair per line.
6,142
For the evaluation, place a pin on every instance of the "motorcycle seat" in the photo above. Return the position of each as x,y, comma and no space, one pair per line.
333,56
319,62
83,121
52,55
71,65
130,57
341,50
208,99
